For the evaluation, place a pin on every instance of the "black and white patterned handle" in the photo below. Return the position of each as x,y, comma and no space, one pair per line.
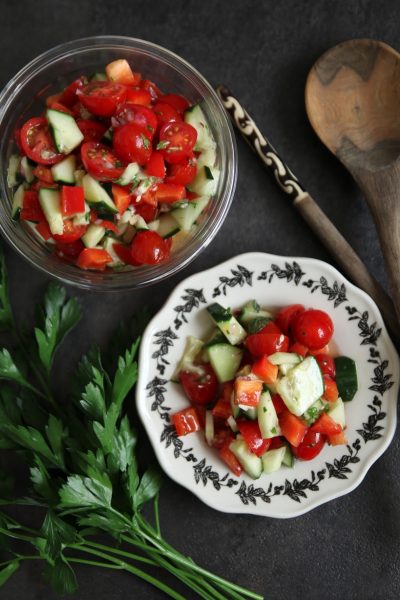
259,143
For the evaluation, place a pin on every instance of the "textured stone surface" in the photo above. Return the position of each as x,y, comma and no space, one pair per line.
346,549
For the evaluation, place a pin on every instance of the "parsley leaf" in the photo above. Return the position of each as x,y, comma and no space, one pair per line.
9,370
31,439
61,577
8,571
146,141
5,307
83,491
149,487
163,144
56,532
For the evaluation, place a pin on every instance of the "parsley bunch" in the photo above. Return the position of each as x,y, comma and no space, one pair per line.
84,478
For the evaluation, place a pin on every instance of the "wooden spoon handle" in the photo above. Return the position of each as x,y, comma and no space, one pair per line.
325,230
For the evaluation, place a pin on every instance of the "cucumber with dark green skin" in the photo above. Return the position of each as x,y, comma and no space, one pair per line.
255,325
346,377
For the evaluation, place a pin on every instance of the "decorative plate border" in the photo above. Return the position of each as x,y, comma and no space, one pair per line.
237,273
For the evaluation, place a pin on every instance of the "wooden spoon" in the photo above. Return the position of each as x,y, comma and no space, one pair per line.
353,103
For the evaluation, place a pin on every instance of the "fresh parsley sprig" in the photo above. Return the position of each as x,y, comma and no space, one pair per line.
84,473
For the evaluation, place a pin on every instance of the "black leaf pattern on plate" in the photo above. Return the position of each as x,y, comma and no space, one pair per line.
193,299
371,430
340,469
241,276
335,293
205,473
249,493
369,333
291,272
164,339
297,489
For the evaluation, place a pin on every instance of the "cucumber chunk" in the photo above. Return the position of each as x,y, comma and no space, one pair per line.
284,358
267,417
302,386
132,171
336,412
225,360
288,458
209,427
50,201
206,181
96,195
217,337
252,310
167,226
18,201
64,171
251,463
255,325
93,235
227,323
66,132
192,349
272,459
13,170
186,216
346,377
197,119
26,170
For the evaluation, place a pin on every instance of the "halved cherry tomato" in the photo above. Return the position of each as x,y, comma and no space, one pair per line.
324,350
230,459
222,436
169,192
37,143
44,230
151,87
299,349
184,172
166,114
266,343
186,421
131,143
101,98
270,327
276,442
326,425
100,161
250,430
286,317
121,197
31,209
149,248
278,403
156,165
222,409
71,232
72,200
71,250
138,96
93,131
120,71
331,392
179,103
68,96
200,388
265,370
178,140
292,427
95,259
124,253
313,328
147,211
135,113
43,173
310,447
326,364
60,107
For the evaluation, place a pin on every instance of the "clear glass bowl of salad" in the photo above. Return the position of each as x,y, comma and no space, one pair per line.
26,96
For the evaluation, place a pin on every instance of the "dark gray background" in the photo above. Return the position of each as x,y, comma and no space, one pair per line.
348,548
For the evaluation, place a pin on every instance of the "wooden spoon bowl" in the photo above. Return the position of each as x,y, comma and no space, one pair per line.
353,103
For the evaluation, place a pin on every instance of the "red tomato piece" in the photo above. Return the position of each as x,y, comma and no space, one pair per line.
310,447
185,421
71,250
72,200
138,96
178,102
266,343
278,403
151,87
149,248
313,328
93,131
265,370
337,439
331,392
68,96
149,197
147,211
200,388
324,350
223,436
326,425
156,165
184,172
251,433
121,197
222,409
43,229
37,142
177,140
326,364
60,107
169,192
101,98
53,99
100,162
270,327
132,144
230,459
247,391
299,349
106,223
166,114
43,173
71,232
276,442
286,317
292,427
124,253
120,71
31,209
135,113
95,259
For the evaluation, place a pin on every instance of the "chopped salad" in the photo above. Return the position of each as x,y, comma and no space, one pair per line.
114,171
265,389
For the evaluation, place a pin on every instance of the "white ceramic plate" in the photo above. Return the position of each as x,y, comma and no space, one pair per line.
359,333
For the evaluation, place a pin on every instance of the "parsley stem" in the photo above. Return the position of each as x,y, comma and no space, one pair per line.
157,515
94,563
119,552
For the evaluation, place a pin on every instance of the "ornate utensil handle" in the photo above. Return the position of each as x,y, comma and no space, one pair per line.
326,231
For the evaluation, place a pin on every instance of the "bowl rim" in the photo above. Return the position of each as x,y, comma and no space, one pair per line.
148,274
171,468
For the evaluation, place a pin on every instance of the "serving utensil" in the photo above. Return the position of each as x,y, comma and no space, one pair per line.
353,103
325,230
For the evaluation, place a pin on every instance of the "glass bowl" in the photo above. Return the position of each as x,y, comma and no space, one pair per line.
24,97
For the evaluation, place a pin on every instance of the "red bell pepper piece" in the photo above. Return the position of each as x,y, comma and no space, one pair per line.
121,196
93,258
43,173
186,421
72,200
337,439
31,209
170,192
156,165
230,459
278,403
326,425
292,428
222,436
247,391
43,229
251,433
331,392
265,370
299,349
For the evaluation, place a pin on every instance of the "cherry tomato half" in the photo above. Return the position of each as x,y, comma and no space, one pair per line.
184,172
313,328
92,130
266,343
166,113
131,143
101,98
71,232
310,447
100,161
286,317
326,364
179,103
135,113
178,140
149,248
37,143
200,388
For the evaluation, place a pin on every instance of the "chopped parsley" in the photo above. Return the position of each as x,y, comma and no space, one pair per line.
163,144
146,142
264,409
273,430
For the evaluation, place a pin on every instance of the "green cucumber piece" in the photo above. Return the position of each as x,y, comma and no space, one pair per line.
206,181
66,133
267,417
252,310
96,195
346,377
50,201
217,337
272,459
225,360
250,412
336,412
288,458
284,358
93,235
313,412
227,323
99,77
27,170
18,202
302,386
167,226
255,325
64,171
192,349
197,119
13,170
251,463
186,216
131,172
